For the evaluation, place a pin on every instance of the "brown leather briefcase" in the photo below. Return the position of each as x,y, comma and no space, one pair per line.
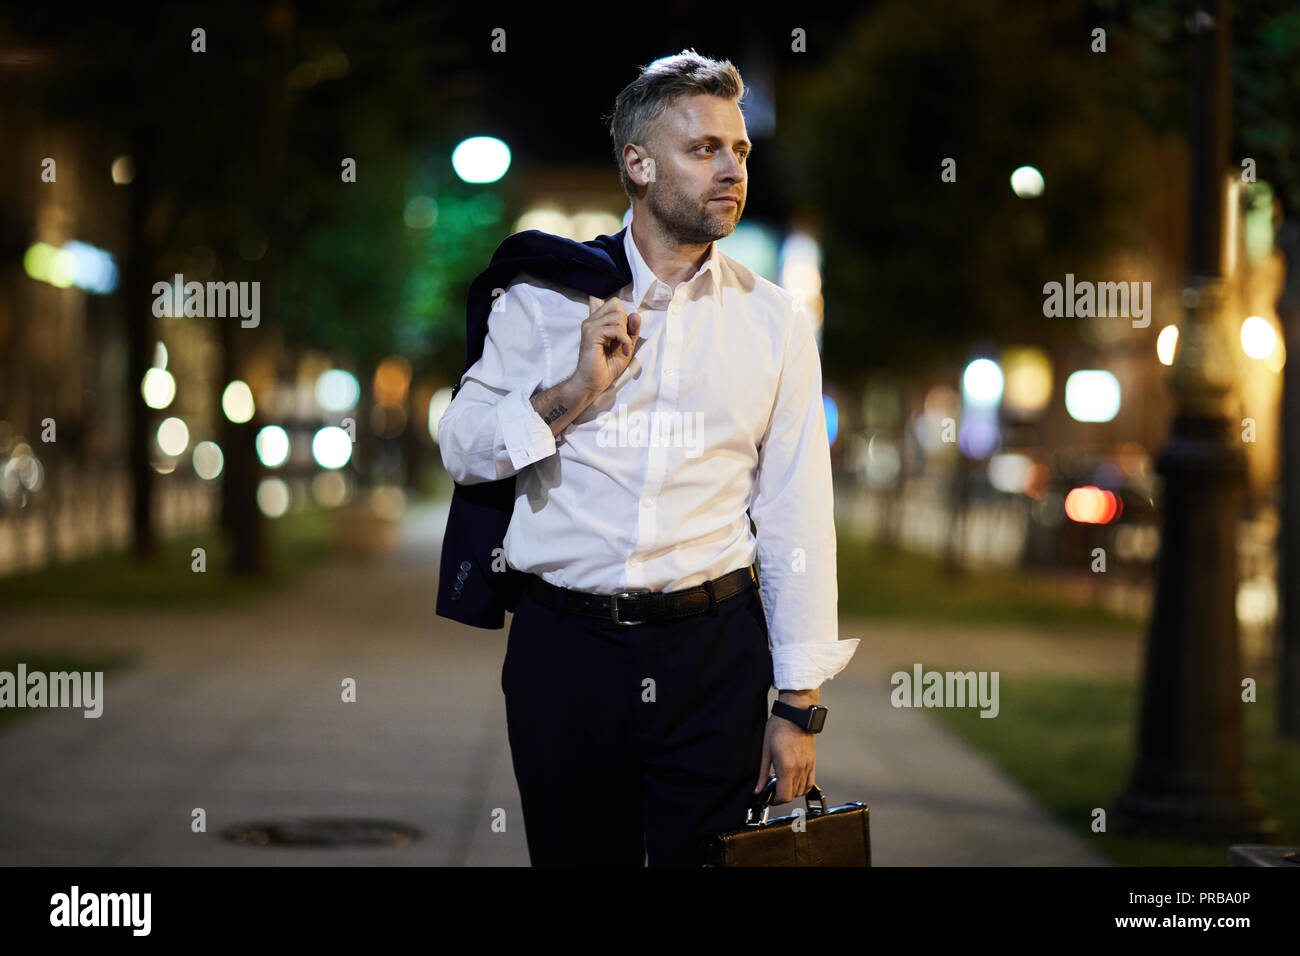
839,836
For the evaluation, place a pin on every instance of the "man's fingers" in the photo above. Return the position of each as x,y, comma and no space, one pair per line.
612,322
610,326
611,312
611,315
613,340
611,305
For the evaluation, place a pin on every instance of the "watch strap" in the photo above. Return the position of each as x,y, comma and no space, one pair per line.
809,719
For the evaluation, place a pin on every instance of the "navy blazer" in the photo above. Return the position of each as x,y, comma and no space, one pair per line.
469,590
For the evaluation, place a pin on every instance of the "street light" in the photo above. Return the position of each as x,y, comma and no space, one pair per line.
481,159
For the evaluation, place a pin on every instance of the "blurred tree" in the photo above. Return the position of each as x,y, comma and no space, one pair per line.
921,268
232,193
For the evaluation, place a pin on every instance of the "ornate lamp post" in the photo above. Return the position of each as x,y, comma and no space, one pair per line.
1189,780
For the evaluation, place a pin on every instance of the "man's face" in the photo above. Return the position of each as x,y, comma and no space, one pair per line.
699,148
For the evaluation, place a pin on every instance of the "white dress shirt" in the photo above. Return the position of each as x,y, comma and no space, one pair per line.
717,417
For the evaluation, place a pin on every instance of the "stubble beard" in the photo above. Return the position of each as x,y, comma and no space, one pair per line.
687,220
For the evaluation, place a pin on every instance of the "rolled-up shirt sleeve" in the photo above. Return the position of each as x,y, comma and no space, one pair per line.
793,512
491,430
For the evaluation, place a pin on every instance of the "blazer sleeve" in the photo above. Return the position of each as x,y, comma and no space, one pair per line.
490,430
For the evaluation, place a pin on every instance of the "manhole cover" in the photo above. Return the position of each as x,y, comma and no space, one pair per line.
321,832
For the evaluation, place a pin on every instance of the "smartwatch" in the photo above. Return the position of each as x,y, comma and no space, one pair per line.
810,719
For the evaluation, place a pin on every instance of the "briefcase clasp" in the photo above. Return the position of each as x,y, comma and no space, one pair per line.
814,803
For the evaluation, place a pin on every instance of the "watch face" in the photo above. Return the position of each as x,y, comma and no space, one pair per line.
818,719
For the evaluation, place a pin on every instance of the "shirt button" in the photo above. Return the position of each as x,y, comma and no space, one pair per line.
671,371
648,502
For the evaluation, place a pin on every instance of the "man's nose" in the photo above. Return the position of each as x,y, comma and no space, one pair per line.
732,171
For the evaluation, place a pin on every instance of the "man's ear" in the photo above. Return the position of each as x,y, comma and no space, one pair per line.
640,164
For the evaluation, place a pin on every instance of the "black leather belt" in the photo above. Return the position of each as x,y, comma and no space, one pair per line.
641,607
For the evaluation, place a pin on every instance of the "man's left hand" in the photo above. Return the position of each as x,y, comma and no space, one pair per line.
789,753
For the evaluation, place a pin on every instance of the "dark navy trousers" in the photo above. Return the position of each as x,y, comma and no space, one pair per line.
635,741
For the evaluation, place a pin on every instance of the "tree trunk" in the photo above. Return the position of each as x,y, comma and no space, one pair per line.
138,296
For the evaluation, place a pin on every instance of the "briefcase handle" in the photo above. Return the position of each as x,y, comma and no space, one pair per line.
814,803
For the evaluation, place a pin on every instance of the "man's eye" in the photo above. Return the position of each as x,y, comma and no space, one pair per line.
705,147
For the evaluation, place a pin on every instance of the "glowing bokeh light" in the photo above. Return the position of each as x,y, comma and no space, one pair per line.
272,497
438,406
337,390
173,436
481,159
1258,338
546,219
1027,182
331,447
982,382
1009,472
208,460
1092,505
158,388
1167,344
123,170
272,444
1092,395
832,417
76,263
237,402
421,212
1028,379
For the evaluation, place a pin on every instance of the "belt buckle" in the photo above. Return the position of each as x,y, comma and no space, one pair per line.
613,604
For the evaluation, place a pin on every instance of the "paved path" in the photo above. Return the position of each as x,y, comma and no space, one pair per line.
238,711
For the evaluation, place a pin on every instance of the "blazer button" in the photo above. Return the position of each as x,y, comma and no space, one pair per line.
464,565
455,595
461,575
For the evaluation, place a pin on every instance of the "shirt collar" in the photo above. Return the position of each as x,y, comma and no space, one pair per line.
645,282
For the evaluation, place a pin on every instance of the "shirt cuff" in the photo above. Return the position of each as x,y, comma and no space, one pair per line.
526,436
803,665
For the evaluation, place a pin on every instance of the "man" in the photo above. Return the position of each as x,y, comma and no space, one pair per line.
645,431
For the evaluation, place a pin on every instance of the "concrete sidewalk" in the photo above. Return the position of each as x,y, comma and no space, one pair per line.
238,711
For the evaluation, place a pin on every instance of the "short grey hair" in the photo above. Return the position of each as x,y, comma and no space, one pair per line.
644,100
